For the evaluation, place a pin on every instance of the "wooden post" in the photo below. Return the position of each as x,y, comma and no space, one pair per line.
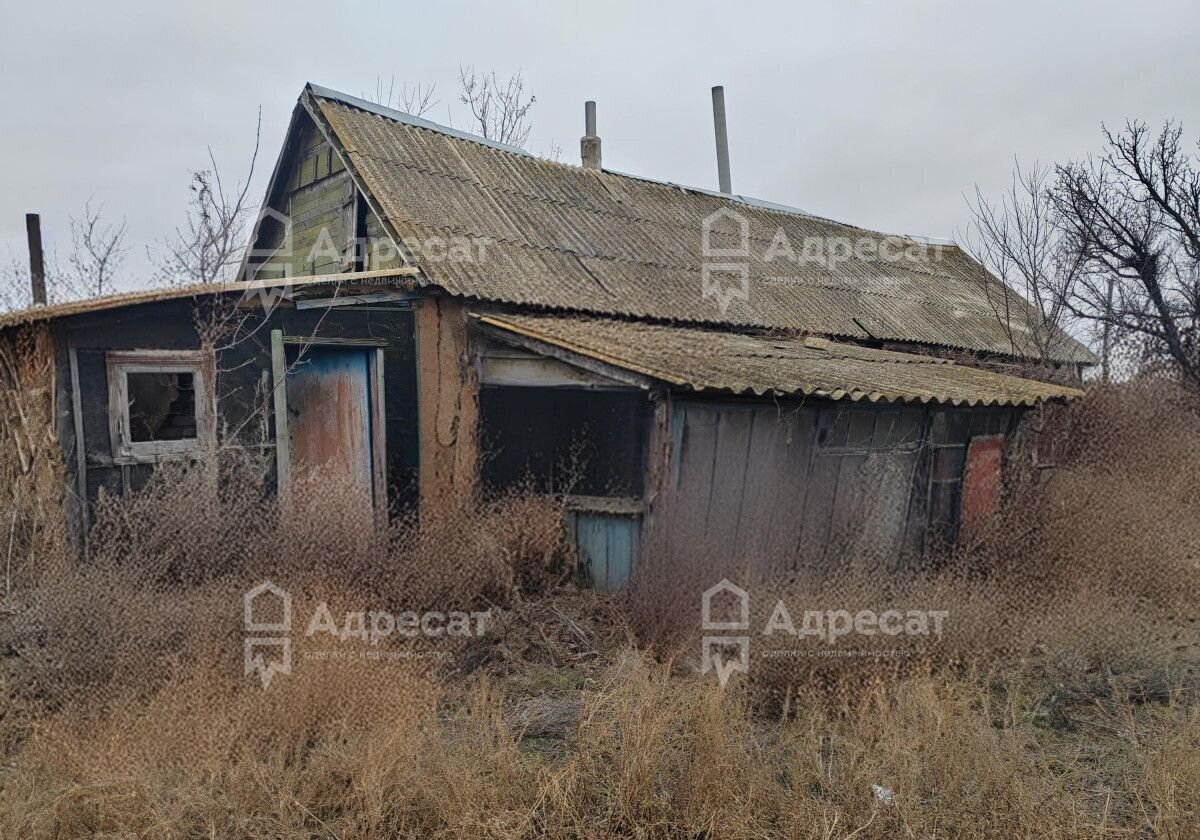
283,457
37,268
81,483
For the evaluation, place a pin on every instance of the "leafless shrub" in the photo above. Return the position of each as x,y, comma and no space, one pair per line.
127,712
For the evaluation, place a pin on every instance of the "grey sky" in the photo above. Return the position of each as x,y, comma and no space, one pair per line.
879,114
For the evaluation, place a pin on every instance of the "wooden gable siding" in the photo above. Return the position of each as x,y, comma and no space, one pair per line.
314,191
332,229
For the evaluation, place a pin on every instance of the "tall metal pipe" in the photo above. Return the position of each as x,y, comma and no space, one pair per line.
718,97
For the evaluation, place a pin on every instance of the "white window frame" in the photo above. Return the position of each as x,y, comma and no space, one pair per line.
120,364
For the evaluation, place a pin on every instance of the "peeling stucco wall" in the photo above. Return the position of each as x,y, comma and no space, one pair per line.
448,394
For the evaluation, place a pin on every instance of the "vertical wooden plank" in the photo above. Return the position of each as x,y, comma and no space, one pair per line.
728,491
917,526
609,547
619,545
693,485
831,429
379,451
85,514
283,459
590,537
776,478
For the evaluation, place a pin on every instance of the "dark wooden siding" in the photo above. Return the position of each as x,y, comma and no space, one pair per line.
243,418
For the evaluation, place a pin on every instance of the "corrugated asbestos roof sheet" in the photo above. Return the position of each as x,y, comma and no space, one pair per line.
100,304
703,359
564,237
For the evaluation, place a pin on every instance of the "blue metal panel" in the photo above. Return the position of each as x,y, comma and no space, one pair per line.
608,545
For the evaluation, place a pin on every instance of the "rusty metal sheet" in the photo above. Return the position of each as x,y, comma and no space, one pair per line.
981,481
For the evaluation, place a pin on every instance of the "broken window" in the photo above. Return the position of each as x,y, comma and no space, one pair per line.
158,403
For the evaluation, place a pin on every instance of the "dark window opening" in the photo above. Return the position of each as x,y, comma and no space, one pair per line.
162,406
562,440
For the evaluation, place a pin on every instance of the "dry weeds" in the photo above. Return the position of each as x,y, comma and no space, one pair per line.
1059,703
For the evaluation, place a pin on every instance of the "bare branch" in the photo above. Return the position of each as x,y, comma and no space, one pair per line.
1018,242
97,251
1132,218
208,248
499,110
417,100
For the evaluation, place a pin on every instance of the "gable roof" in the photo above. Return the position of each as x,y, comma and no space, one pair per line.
567,238
699,360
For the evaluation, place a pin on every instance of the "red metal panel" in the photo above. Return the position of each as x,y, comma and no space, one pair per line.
981,481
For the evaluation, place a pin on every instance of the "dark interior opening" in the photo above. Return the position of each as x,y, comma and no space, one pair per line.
162,406
580,441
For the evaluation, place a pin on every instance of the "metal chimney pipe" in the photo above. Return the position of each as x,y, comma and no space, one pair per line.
37,268
718,97
589,144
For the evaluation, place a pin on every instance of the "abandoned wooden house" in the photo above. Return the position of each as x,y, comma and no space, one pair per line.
442,315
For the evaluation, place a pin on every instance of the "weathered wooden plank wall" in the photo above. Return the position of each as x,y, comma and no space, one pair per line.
773,487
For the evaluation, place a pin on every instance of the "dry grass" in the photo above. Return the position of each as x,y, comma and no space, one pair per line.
1059,703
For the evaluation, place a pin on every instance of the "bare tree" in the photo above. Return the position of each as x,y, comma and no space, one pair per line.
1018,241
97,251
208,248
15,291
499,110
418,100
1132,216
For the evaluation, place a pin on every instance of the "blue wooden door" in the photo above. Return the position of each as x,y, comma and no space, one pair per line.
329,403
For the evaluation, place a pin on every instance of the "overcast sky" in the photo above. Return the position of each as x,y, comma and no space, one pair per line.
882,114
